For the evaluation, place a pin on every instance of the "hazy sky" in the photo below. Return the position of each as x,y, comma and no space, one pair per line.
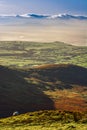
43,6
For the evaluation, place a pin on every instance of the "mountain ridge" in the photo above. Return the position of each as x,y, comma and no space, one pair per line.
43,16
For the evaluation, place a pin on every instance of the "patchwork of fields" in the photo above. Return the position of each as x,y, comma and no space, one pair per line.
28,54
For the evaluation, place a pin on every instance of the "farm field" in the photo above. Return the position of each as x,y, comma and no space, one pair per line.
28,54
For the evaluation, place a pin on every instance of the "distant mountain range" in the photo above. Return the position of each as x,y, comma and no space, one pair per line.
41,16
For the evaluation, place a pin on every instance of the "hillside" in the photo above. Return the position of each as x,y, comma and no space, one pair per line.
46,120
44,87
28,54
65,84
66,73
17,94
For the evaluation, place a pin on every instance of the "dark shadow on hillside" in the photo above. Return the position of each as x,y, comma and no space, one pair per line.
18,95
67,74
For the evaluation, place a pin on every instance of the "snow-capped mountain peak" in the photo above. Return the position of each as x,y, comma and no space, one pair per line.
57,16
42,16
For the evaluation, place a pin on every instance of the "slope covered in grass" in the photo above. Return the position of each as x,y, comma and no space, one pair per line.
46,120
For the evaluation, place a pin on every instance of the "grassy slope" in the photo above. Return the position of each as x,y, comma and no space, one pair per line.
26,54
46,120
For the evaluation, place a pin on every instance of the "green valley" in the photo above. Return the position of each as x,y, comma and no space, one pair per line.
28,54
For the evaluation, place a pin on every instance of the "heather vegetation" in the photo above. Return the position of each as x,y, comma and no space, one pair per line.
62,87
46,83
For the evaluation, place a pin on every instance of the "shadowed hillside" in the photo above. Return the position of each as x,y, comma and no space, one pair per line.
17,94
43,87
66,73
65,84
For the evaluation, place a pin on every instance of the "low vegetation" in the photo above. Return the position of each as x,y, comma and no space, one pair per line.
46,120
28,54
62,87
47,82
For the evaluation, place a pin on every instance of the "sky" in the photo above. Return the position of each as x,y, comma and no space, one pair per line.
43,6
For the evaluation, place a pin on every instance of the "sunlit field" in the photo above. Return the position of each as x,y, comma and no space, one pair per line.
29,54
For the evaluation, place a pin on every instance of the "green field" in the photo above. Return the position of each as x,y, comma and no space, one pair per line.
28,54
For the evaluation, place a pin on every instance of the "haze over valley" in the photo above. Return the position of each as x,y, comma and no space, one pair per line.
44,28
